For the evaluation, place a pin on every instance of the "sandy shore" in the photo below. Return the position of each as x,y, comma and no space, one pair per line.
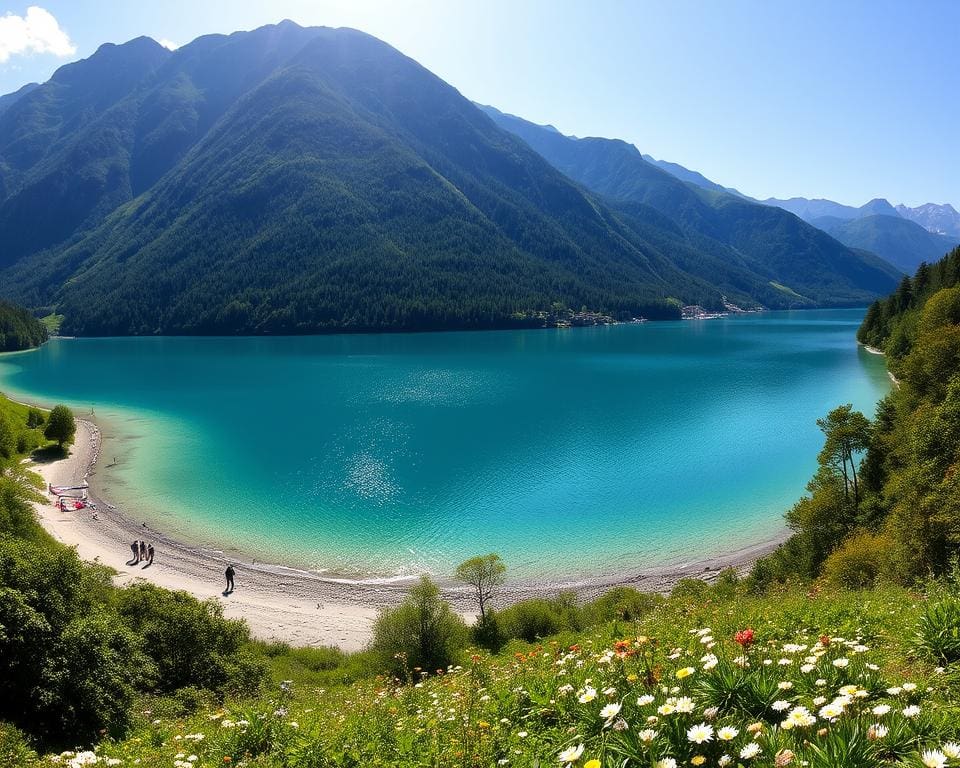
279,603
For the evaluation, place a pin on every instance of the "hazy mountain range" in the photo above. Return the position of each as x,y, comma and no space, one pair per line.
902,235
291,180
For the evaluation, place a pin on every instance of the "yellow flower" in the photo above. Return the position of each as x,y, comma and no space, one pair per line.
631,678
592,763
483,724
685,672
698,760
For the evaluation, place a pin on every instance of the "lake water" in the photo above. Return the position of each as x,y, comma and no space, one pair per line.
575,453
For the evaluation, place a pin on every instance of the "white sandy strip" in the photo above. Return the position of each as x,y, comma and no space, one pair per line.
278,603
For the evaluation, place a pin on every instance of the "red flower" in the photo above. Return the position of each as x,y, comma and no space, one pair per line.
825,640
744,637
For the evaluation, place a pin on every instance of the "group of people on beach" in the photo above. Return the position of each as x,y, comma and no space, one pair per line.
142,552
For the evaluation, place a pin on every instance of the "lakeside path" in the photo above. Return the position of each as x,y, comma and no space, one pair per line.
279,603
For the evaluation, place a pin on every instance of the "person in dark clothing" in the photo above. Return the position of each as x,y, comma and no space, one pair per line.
229,573
143,550
135,548
150,554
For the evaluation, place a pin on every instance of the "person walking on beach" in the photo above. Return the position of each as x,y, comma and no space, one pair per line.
150,554
143,550
229,573
135,548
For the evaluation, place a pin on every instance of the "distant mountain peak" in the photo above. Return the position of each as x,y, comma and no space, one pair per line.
941,219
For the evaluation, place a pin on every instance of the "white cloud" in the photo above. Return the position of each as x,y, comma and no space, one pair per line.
168,44
37,31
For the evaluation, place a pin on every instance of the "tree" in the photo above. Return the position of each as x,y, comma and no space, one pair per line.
484,574
848,433
422,632
60,426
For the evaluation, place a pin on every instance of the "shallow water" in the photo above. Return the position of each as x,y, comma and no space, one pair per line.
571,452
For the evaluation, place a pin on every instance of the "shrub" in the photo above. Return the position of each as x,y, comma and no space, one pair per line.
532,619
487,632
859,562
191,699
14,749
624,603
696,589
423,632
16,514
189,642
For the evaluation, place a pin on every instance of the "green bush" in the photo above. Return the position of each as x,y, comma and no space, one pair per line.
14,748
623,603
487,633
423,633
697,589
539,617
189,642
860,561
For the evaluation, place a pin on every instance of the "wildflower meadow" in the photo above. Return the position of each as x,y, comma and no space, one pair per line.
765,683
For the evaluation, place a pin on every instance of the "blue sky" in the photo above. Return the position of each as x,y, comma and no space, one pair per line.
846,99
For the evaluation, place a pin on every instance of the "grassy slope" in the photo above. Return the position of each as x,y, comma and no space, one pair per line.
516,708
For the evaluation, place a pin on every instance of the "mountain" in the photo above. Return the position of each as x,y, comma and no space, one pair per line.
66,146
295,180
773,255
938,219
878,207
942,219
691,177
8,100
903,243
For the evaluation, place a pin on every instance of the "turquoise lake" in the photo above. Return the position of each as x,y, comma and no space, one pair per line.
572,453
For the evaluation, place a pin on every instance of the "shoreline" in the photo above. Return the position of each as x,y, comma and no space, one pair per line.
278,602
875,351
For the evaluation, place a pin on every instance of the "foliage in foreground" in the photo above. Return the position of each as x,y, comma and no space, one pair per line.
74,650
836,679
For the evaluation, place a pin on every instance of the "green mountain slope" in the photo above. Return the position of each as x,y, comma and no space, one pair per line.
346,188
292,180
19,329
768,241
903,243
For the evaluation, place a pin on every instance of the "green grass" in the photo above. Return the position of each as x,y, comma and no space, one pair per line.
789,291
52,323
530,703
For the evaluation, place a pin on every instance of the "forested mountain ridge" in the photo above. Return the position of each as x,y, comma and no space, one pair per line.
903,243
791,263
294,180
19,329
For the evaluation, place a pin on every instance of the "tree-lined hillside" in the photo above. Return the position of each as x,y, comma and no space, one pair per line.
295,180
885,503
754,248
19,329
